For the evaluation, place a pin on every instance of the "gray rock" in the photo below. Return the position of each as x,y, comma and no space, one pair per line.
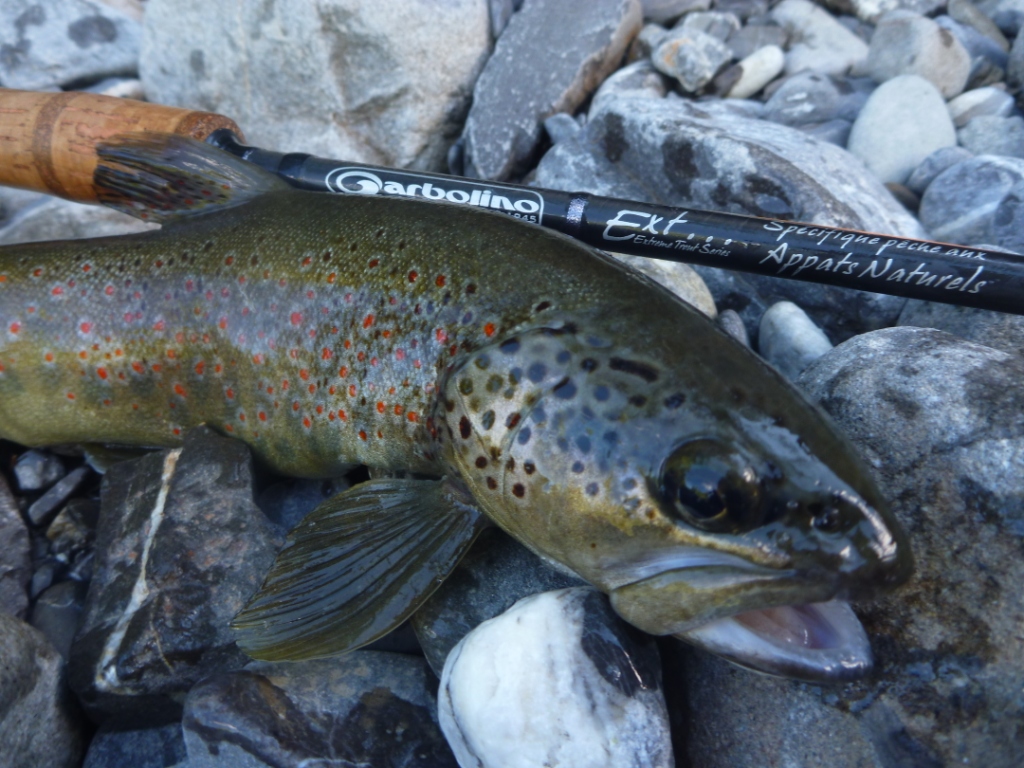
751,37
903,122
497,572
933,165
988,59
47,45
1015,64
511,100
501,12
718,24
561,127
993,135
692,57
967,13
74,528
1007,227
367,708
942,422
756,71
998,330
56,219
40,725
1008,15
960,203
905,43
871,10
789,339
643,45
289,500
15,556
600,702
730,321
679,278
45,508
14,200
162,747
666,11
677,153
180,546
833,131
57,613
754,11
989,101
36,470
337,78
808,97
824,45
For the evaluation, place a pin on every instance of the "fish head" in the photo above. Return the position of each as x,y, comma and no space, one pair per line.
694,489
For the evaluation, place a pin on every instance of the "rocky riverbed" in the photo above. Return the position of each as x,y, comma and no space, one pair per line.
894,116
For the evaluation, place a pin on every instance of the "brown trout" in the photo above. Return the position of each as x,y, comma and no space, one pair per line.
523,378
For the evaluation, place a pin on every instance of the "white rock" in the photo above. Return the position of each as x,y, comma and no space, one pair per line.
521,691
906,43
789,339
903,121
978,102
386,82
824,45
871,10
759,69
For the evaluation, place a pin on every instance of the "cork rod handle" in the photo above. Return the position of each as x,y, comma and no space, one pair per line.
48,140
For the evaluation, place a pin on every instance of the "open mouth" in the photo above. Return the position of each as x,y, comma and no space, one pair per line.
816,642
775,621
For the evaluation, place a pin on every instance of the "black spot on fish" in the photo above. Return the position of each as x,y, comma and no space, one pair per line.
562,444
524,436
518,490
487,420
542,306
539,415
589,364
646,372
577,467
510,346
592,489
601,393
674,401
536,372
494,383
449,405
511,465
583,443
515,375
563,357
492,483
512,420
638,400
610,437
471,288
464,428
481,462
529,467
565,389
466,386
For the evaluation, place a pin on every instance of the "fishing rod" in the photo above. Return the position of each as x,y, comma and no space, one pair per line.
47,143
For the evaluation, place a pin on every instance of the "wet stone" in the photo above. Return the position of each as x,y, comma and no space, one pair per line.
40,725
510,101
43,509
561,127
967,13
600,702
960,204
74,528
718,24
36,470
667,11
730,322
61,42
998,330
288,500
496,573
1006,229
789,339
57,613
162,747
180,547
365,708
15,556
693,157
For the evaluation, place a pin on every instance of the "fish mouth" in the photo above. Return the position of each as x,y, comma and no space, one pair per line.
772,620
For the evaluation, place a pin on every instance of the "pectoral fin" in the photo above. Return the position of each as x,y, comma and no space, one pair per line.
356,567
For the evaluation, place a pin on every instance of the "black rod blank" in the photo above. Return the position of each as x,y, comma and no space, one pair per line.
893,265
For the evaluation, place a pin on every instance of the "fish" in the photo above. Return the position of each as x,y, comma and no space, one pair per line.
488,371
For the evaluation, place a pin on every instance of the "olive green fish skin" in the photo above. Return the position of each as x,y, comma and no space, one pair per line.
566,392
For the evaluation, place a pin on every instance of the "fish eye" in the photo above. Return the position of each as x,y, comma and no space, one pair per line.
712,487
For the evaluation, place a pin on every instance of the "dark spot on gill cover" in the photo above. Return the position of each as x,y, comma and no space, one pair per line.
487,420
625,657
464,428
646,372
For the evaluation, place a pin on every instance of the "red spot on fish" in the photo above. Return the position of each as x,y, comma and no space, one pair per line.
37,272
230,393
57,291
159,263
380,407
229,428
241,416
440,281
200,367
412,416
416,364
295,405
263,415
342,415
189,285
368,321
362,435
83,354
15,327
176,430
284,385
304,374
330,415
489,329
331,390
412,276
310,294
360,356
86,267
157,367
306,422
352,390
373,361
107,401
179,337
453,349
158,325
137,367
343,371
442,335
222,323
71,395
218,368
257,359
307,261
331,277
386,334
319,409
399,354
179,390
296,318
109,290
270,390
101,372
48,357
348,344
398,410
170,354
374,263
229,260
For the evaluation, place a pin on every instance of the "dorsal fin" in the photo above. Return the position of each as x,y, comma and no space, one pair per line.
162,177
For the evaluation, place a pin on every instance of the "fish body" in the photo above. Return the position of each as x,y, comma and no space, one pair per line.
590,413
